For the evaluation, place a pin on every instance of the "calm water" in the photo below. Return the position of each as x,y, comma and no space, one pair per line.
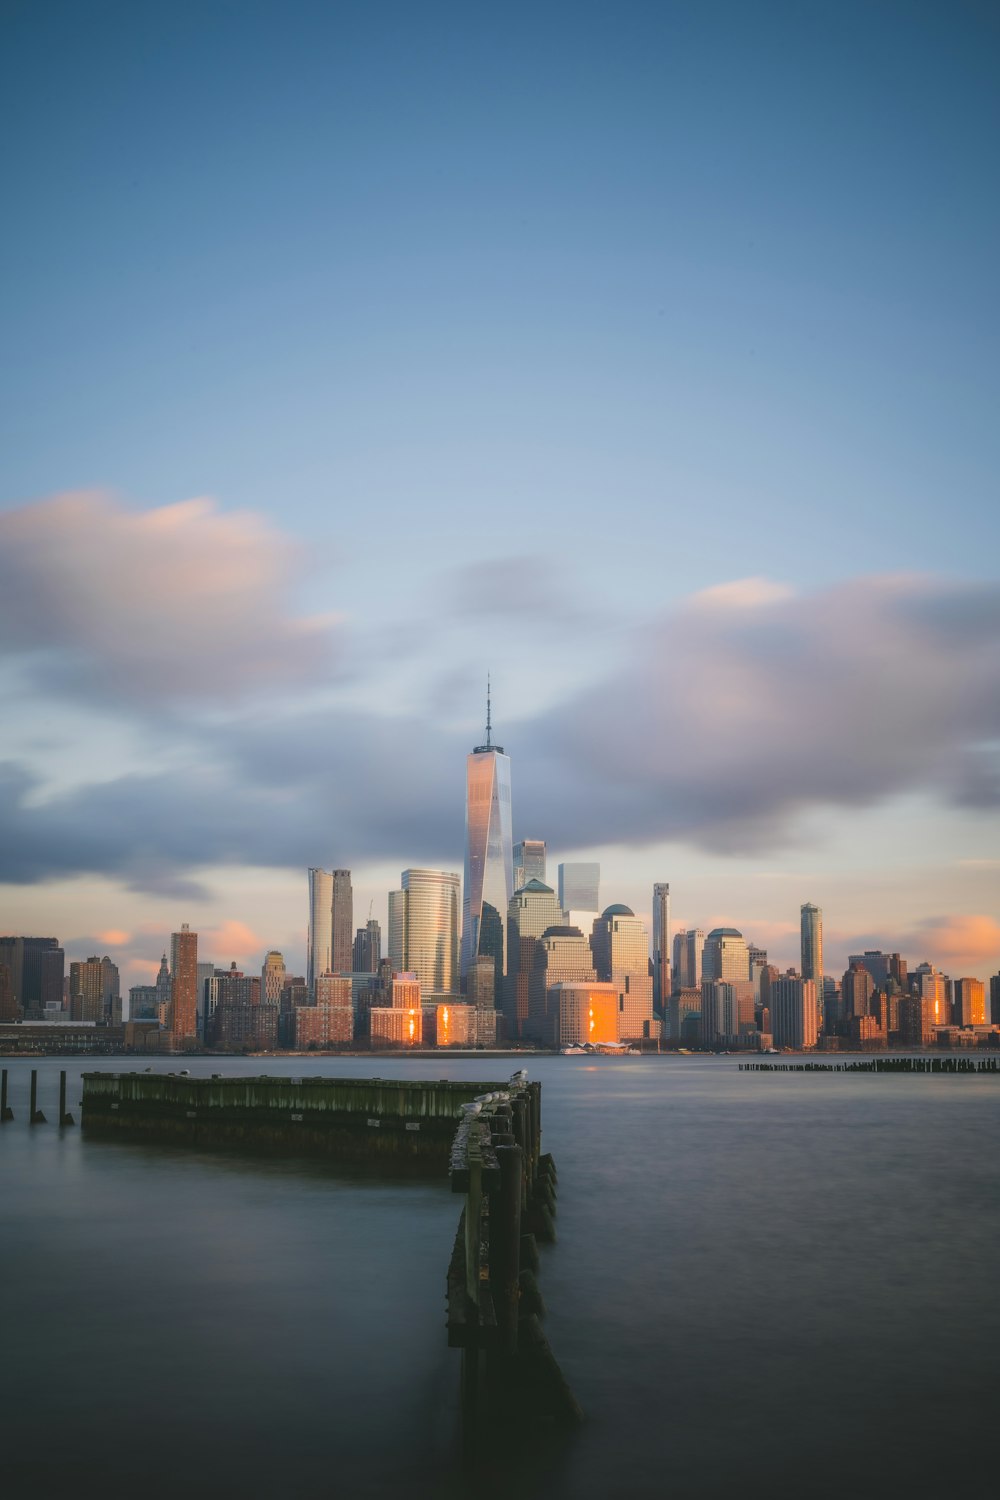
782,1285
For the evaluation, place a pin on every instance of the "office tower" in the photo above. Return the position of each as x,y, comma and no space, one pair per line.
661,945
970,1002
94,991
620,946
367,948
36,968
206,973
481,983
995,999
319,951
489,855
184,984
683,1022
725,955
529,862
794,1019
881,966
531,911
727,1012
916,1021
560,953
272,978
579,886
856,990
931,984
688,947
811,930
341,922
423,929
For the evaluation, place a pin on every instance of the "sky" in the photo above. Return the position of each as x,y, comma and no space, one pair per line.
643,356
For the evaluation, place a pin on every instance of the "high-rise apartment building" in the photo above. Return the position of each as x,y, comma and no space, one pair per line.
811,931
529,862
931,984
856,990
423,929
272,978
580,886
341,922
727,1011
489,854
725,955
94,991
367,948
319,948
661,945
184,985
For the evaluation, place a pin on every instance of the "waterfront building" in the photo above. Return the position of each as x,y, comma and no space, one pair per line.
661,945
727,1012
95,991
396,1026
184,985
142,1003
579,886
725,956
584,1013
423,929
456,1025
531,911
970,1002
560,953
620,946
489,854
322,1025
9,1008
794,1017
335,990
529,862
916,1021
36,967
243,1026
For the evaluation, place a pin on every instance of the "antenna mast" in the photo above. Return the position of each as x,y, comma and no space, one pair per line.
489,728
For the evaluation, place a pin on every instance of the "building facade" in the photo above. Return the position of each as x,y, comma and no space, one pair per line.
423,929
661,945
580,886
489,852
184,985
529,862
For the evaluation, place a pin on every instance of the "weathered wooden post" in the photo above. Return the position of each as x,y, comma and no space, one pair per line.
505,1245
65,1118
6,1113
35,1116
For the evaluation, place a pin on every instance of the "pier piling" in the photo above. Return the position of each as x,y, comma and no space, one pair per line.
35,1116
65,1118
6,1113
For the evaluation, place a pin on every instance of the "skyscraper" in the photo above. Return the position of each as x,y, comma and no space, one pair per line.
272,978
811,923
94,990
794,1018
725,955
579,886
319,951
489,855
620,945
531,912
341,922
367,948
423,929
529,862
184,984
661,945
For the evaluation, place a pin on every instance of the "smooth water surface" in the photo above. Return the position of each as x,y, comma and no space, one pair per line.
781,1284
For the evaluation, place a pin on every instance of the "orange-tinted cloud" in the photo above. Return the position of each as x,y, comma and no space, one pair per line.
957,942
228,941
114,938
179,603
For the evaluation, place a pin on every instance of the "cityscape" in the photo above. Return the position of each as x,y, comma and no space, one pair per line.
496,957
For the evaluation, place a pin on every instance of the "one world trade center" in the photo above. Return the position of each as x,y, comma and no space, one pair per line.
489,853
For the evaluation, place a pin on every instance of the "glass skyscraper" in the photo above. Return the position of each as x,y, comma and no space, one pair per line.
423,929
489,852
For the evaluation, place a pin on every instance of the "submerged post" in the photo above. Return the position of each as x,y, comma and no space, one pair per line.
35,1116
5,1112
505,1244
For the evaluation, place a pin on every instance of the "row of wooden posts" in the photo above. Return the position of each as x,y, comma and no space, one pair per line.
35,1115
964,1065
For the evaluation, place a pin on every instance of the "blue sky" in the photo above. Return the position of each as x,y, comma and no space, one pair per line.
610,305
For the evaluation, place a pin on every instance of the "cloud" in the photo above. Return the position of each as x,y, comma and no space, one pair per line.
177,604
725,721
114,938
231,940
736,712
957,942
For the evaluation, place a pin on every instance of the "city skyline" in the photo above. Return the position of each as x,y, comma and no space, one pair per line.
653,400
